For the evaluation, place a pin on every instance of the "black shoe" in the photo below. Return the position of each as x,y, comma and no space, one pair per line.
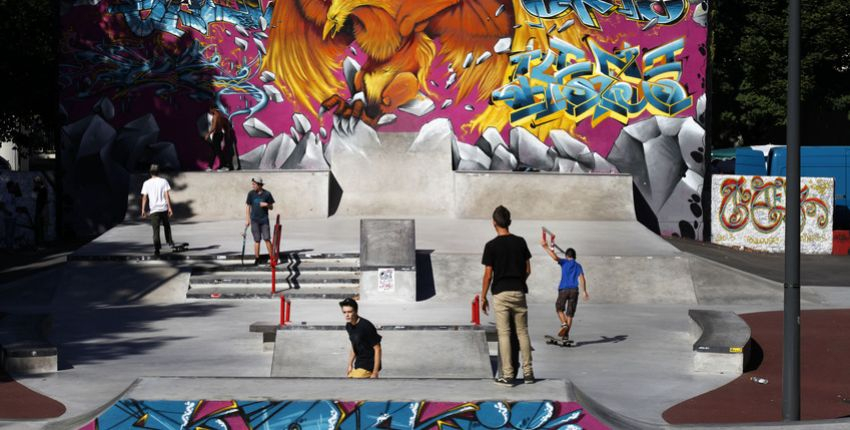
257,261
528,378
156,252
508,382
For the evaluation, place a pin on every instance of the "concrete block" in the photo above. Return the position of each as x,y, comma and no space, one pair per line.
388,285
30,358
387,243
461,354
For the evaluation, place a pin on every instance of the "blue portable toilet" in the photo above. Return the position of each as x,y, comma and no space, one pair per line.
749,161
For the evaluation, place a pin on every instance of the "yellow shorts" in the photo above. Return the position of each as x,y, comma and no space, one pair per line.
360,373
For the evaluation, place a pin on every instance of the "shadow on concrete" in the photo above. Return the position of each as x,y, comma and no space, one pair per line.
334,195
425,288
91,336
756,357
604,339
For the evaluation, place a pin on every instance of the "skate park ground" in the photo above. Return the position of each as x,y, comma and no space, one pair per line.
117,319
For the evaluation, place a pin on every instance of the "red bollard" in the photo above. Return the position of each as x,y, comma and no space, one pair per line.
274,275
282,310
288,309
476,316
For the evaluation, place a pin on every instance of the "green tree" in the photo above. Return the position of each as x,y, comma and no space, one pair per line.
749,72
28,108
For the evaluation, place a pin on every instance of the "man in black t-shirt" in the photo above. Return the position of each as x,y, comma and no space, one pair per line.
507,265
257,206
364,360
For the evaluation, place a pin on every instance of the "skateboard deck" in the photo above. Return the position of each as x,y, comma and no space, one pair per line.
180,247
552,340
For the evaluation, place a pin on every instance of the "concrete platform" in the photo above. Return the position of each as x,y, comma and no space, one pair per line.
623,261
409,352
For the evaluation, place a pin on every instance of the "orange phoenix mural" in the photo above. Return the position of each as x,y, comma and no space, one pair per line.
401,40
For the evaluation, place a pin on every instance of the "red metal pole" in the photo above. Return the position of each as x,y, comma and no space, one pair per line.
282,310
288,309
476,316
274,276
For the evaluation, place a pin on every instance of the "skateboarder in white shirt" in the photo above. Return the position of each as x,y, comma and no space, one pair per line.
155,192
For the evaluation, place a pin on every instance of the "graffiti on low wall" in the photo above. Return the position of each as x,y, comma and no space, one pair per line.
27,210
749,211
329,414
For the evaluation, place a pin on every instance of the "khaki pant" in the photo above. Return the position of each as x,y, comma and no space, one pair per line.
511,305
360,373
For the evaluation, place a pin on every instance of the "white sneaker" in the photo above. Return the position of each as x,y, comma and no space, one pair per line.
209,169
223,169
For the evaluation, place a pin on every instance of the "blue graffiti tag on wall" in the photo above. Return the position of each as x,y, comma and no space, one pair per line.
665,12
566,82
163,15
327,414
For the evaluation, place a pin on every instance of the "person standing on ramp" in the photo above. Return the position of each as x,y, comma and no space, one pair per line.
507,265
364,359
257,207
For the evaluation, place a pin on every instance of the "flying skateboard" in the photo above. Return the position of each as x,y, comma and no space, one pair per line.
180,247
552,340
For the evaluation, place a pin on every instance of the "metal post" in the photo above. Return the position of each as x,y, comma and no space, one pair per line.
288,310
476,316
282,310
791,320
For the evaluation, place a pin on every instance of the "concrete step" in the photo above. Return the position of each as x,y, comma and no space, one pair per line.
281,268
335,292
313,279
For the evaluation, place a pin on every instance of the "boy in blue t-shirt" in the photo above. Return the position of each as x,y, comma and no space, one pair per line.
572,277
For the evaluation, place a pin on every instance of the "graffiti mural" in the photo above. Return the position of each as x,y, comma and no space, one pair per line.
27,210
327,414
749,211
565,79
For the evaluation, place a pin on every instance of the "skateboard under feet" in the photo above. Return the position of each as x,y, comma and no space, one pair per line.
552,340
179,247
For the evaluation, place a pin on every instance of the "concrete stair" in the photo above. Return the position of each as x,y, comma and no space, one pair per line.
298,275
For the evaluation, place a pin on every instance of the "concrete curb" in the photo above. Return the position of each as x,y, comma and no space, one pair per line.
83,419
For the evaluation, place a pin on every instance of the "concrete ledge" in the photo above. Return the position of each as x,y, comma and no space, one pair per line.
723,345
29,353
207,196
30,358
540,195
407,353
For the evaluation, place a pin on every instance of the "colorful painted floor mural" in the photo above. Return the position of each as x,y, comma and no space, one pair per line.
328,414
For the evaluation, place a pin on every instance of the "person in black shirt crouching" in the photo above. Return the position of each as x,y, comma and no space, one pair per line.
364,361
507,265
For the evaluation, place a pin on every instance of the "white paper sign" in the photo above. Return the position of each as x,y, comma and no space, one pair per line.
386,280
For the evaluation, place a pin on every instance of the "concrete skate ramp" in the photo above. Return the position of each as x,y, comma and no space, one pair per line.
410,174
407,353
680,278
205,196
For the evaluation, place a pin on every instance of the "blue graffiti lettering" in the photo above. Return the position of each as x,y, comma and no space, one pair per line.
666,12
611,85
166,15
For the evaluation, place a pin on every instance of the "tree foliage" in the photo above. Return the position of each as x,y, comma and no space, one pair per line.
29,103
749,72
